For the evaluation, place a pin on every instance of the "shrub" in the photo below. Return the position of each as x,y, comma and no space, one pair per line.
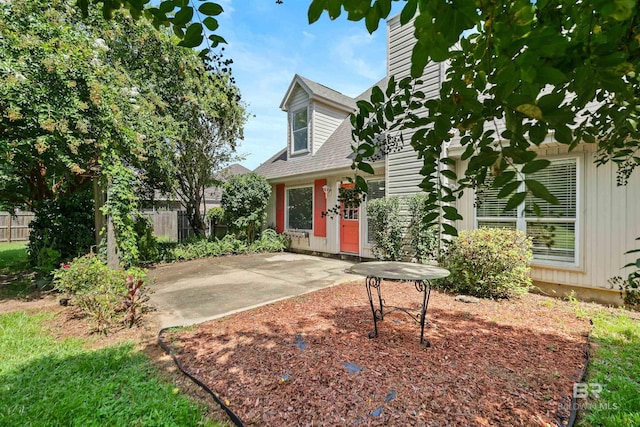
270,241
423,240
244,201
61,229
216,214
384,217
102,293
147,242
489,262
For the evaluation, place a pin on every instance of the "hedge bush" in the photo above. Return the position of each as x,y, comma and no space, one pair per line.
384,217
489,263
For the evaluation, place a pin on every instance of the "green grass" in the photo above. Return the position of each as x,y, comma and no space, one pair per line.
13,258
615,365
46,382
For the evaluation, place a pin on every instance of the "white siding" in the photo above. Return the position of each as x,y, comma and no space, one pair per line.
326,120
403,167
608,223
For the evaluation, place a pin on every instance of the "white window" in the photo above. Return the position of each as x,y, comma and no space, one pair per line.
299,130
554,234
300,208
376,191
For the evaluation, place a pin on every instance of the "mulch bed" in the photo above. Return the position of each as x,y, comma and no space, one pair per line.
308,360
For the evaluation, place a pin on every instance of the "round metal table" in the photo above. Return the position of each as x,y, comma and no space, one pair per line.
419,274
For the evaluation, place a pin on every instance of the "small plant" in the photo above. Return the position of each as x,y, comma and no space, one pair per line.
100,292
384,217
270,241
133,301
629,289
489,263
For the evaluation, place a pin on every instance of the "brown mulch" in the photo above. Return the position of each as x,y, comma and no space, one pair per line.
308,360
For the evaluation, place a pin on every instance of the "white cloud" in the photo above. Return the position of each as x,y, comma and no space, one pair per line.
355,52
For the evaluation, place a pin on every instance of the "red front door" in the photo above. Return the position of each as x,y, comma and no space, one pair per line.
349,227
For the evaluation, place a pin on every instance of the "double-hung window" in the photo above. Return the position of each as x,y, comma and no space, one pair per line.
300,208
555,232
299,130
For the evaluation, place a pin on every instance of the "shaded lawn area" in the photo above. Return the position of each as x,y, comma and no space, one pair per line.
13,258
308,360
47,382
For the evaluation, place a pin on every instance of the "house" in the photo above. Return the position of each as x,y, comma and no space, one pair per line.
596,223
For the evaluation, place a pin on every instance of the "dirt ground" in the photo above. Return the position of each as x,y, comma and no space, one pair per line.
308,360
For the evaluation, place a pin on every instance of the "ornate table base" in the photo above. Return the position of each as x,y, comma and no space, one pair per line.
378,313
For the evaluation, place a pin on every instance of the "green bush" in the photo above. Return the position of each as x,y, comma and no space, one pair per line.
244,201
61,229
423,240
489,262
384,218
98,290
147,242
270,241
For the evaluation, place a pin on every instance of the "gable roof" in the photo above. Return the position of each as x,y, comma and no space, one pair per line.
319,92
334,154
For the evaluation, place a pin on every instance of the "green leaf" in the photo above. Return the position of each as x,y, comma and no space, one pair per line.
448,173
508,189
366,167
167,6
372,19
408,11
530,110
449,230
183,16
377,97
193,36
535,165
515,201
211,9
315,10
216,39
563,134
540,191
210,23
451,213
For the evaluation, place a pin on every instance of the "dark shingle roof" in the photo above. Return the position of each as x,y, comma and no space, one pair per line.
332,155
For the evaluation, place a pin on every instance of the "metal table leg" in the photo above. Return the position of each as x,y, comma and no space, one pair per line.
374,282
425,287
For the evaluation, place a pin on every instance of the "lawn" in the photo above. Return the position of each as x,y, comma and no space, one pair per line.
612,387
13,257
45,381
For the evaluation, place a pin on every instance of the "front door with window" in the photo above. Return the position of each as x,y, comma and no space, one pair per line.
349,226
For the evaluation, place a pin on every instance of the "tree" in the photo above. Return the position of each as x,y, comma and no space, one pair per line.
202,102
244,201
85,99
569,68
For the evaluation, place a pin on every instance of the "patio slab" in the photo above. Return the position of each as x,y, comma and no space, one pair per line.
191,292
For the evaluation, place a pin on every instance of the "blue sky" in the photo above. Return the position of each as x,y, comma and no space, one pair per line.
269,43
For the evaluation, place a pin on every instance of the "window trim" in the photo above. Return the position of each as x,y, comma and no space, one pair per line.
292,131
520,220
286,207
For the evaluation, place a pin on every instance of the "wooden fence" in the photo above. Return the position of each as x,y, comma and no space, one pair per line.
174,225
15,228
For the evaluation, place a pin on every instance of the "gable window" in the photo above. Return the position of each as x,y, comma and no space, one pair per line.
299,130
554,234
300,208
375,191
